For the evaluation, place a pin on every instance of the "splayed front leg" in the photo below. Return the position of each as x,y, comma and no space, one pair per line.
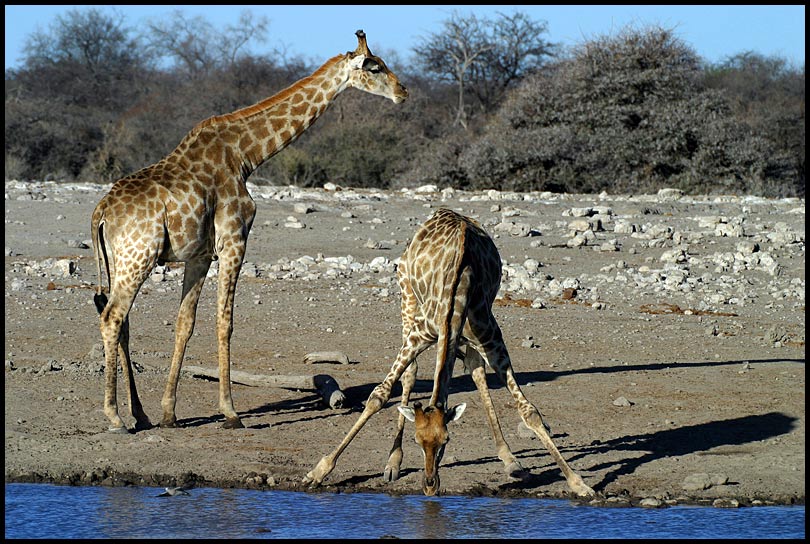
315,476
392,467
378,397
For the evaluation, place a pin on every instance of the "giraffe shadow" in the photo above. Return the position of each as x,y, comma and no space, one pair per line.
462,383
652,446
667,443
310,404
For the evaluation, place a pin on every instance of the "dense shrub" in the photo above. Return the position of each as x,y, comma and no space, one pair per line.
768,94
625,114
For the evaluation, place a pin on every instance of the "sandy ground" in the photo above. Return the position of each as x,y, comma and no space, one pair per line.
675,373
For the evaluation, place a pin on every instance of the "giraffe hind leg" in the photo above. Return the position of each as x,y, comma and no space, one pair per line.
489,335
409,308
114,325
475,366
111,323
136,409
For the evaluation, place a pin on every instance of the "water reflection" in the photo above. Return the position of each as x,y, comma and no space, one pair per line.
49,511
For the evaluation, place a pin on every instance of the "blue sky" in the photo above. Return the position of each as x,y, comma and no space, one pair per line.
320,32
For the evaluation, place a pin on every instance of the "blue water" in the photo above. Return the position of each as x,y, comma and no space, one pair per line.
51,511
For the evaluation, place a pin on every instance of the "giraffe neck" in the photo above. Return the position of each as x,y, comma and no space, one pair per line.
253,134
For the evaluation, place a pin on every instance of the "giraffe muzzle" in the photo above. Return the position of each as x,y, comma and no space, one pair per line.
401,95
430,485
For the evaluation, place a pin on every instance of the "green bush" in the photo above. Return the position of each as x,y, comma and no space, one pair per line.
628,113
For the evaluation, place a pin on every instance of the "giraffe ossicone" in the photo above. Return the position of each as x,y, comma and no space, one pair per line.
193,206
449,276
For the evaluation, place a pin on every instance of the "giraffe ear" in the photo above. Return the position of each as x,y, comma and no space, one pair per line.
455,412
408,412
371,65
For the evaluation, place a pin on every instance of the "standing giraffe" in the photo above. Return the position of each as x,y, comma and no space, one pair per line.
193,206
449,276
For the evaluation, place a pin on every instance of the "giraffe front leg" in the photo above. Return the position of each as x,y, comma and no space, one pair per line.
408,311
532,418
376,400
392,467
230,262
193,280
412,346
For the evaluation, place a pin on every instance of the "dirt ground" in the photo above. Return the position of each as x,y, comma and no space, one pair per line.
673,371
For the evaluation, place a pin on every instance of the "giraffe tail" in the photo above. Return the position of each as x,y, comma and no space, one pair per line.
100,252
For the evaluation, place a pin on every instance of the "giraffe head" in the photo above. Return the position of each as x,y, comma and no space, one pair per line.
369,73
432,437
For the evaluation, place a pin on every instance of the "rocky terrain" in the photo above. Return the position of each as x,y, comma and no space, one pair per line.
662,337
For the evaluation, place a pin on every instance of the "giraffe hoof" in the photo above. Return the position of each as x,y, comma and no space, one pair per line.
585,493
143,425
233,423
514,470
118,430
391,474
583,490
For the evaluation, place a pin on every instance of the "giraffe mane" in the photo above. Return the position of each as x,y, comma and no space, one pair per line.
280,96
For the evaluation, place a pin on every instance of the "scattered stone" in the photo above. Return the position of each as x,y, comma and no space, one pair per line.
726,503
651,502
326,357
665,195
514,229
96,352
569,293
77,244
64,267
621,401
701,480
18,284
300,207
538,304
610,245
